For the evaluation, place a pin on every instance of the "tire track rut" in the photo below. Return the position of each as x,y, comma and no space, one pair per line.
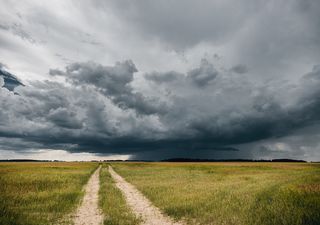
89,213
140,205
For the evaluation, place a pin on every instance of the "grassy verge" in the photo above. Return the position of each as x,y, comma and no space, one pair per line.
112,202
41,193
230,193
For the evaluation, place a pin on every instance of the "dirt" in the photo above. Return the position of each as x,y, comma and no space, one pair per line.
140,205
89,213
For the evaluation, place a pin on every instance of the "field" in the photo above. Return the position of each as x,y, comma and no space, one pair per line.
192,193
230,193
41,193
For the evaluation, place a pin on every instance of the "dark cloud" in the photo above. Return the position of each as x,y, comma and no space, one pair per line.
64,118
114,82
163,77
204,74
274,39
254,89
84,115
56,72
239,69
10,81
2,66
200,76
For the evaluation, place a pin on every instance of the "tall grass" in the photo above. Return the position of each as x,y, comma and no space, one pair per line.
231,193
112,202
40,193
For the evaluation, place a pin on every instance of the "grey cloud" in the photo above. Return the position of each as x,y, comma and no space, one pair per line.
18,30
240,68
89,39
4,26
1,82
300,144
64,118
184,110
275,39
163,77
114,82
281,37
55,72
2,65
247,118
203,75
10,81
84,115
186,23
200,76
315,74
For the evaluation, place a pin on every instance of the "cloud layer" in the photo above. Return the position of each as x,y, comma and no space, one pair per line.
220,78
99,110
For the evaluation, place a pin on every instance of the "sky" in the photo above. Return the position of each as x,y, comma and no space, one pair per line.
129,79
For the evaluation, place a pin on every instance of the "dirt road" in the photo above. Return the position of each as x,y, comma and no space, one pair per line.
88,213
140,205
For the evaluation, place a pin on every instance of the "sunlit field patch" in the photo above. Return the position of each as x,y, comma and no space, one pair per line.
41,193
230,193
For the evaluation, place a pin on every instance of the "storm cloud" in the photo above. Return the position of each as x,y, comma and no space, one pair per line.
85,114
224,79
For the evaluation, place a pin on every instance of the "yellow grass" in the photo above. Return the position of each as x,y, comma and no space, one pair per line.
230,193
41,193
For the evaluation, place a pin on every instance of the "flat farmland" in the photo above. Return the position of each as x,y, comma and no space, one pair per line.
41,193
128,193
230,193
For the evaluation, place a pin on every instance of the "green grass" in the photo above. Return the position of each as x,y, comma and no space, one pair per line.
41,193
230,193
112,202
